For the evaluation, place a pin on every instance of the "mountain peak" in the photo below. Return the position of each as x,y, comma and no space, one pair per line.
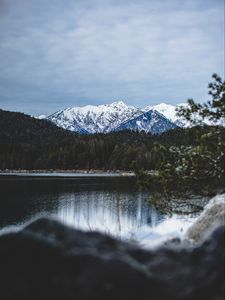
118,103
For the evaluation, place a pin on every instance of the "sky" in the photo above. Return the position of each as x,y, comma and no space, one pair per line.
62,53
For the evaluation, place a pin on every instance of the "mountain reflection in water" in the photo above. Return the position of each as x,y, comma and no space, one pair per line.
112,212
107,204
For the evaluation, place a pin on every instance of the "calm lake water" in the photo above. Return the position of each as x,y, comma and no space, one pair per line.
108,204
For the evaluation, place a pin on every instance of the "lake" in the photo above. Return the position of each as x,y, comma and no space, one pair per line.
110,204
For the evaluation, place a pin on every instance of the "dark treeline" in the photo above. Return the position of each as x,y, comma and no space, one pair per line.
29,143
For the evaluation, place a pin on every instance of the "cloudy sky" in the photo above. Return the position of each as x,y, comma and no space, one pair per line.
60,53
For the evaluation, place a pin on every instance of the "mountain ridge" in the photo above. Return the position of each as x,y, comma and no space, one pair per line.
106,118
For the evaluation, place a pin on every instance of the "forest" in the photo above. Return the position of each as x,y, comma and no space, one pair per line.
27,143
199,167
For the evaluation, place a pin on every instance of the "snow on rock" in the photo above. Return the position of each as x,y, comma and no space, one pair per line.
213,215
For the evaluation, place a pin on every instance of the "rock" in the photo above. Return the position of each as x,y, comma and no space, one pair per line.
212,216
47,260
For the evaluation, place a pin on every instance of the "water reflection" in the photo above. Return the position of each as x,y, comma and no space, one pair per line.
111,212
111,205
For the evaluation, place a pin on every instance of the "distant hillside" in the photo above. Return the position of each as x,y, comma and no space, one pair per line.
29,143
18,127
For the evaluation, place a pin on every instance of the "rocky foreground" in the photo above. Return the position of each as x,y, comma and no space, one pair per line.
47,260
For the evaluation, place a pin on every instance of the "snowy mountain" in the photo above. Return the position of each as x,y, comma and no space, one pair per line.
169,111
117,116
95,119
150,122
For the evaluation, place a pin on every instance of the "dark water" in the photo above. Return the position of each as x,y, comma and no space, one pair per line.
109,204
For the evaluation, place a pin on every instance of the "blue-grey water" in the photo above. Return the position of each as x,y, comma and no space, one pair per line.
109,204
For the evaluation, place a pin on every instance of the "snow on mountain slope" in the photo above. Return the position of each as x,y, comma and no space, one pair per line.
41,117
150,122
169,111
95,119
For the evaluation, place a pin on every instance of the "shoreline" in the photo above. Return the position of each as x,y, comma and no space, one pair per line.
67,173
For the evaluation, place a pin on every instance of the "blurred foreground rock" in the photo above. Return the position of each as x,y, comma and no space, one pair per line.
47,260
212,216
